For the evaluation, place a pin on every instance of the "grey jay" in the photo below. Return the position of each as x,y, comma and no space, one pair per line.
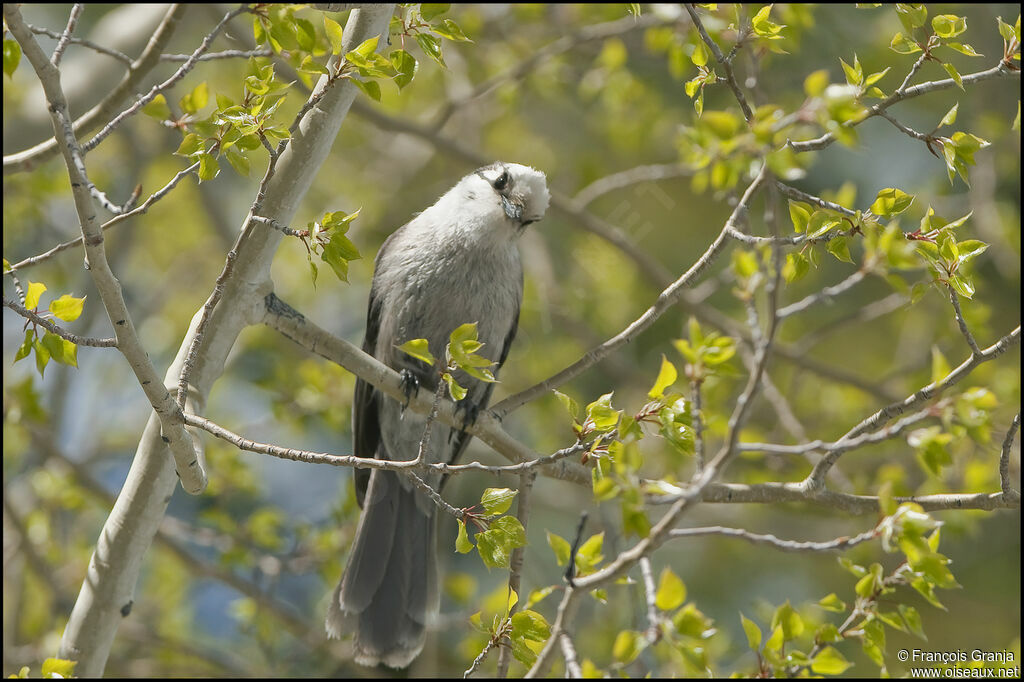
455,262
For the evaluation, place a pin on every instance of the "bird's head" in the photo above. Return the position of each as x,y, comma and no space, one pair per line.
510,190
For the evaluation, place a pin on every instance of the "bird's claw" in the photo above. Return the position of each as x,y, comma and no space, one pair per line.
410,385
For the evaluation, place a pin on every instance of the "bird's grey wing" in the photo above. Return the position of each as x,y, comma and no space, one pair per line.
365,414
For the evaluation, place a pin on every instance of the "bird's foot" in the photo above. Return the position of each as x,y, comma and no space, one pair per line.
410,385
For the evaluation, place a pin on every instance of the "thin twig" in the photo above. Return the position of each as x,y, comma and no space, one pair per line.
839,544
961,322
1004,459
725,62
116,54
59,331
155,197
65,38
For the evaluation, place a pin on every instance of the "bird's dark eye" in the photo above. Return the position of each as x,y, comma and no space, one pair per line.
502,181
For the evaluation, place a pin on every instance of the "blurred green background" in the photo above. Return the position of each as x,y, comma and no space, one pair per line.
580,108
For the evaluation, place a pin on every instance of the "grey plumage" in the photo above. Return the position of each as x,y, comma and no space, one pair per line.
456,262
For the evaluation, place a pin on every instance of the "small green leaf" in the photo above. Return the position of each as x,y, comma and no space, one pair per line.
796,267
790,621
196,99
666,377
954,74
35,290
560,546
446,28
671,591
418,348
800,214
628,645
948,25
913,620
208,167
700,55
334,34
12,57
406,66
67,307
498,500
456,391
430,10
891,201
462,542
26,346
832,603
752,631
570,405
950,117
58,667
157,108
431,47
830,662
371,88
839,247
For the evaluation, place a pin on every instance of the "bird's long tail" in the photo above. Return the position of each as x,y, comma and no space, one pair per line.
388,591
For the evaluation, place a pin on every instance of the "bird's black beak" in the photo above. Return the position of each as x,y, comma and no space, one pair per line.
513,208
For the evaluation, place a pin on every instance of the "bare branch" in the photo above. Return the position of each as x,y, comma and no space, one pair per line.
1004,459
65,38
961,322
725,62
150,57
116,54
59,331
836,545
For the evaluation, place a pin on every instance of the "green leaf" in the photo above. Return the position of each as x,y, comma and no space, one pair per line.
827,633
628,645
832,603
446,28
666,377
752,631
560,546
789,620
775,640
196,99
800,214
418,348
431,47
58,667
950,117
498,500
589,553
954,74
12,57
913,620
570,405
67,307
964,48
602,415
371,88
456,390
814,86
462,542
493,549
190,144
948,25
821,222
26,346
334,34
671,591
157,108
891,201
406,66
796,267
42,355
700,55
208,167
940,366
530,625
903,44
431,10
839,247
830,662
35,290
